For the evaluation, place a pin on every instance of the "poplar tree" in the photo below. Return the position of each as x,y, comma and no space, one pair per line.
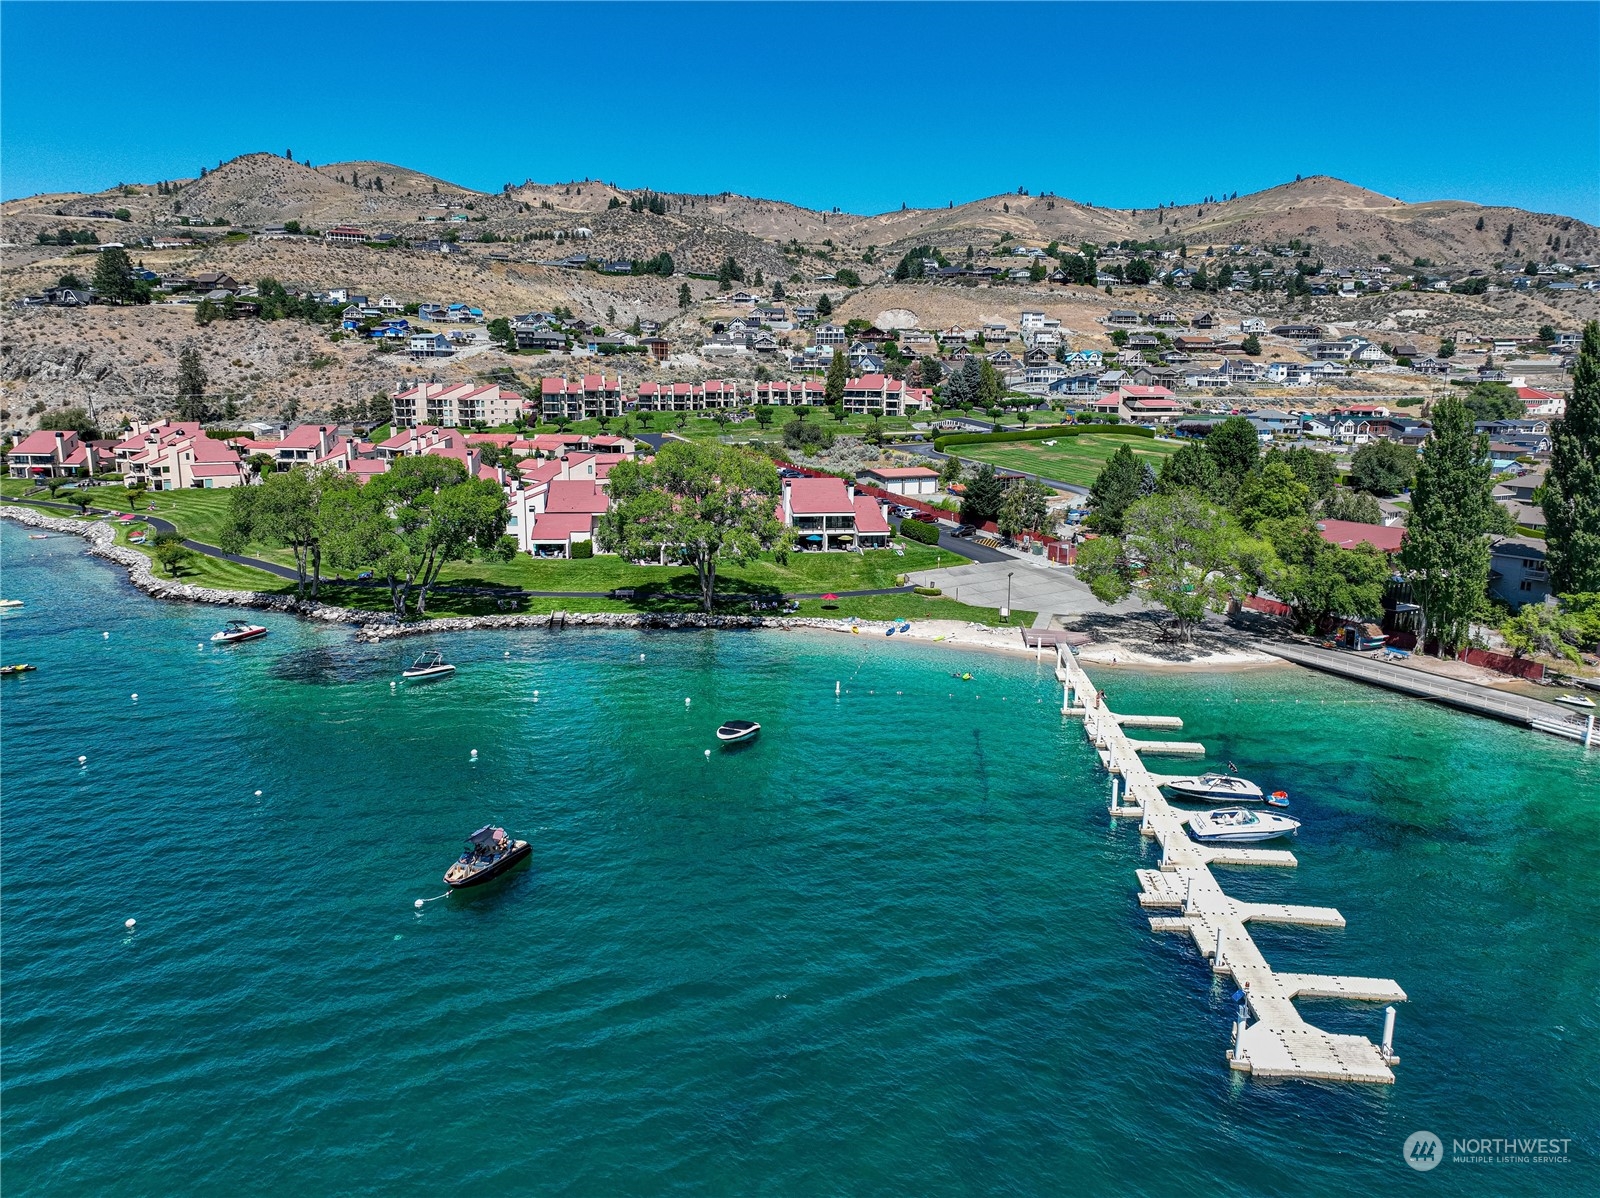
838,370
191,385
1445,551
1572,488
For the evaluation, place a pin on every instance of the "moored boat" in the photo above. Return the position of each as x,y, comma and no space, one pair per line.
10,602
737,730
1582,701
19,668
236,631
489,853
429,665
1215,788
1237,825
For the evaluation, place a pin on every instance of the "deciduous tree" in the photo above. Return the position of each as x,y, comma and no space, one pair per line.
1445,550
1383,467
702,503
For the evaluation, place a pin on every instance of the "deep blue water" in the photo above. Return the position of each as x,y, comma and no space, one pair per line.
891,947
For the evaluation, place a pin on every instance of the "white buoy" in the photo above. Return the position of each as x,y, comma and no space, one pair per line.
708,754
641,657
836,688
507,653
417,904
135,696
198,645
474,754
106,635
82,759
391,686
686,702
128,923
258,794
535,696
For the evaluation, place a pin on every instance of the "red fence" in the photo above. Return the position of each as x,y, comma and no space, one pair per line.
1270,607
1502,663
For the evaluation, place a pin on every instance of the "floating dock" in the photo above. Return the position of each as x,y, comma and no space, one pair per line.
1279,1043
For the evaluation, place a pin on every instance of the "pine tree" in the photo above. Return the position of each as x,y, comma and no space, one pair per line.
981,503
1572,488
1445,550
191,385
685,296
1118,486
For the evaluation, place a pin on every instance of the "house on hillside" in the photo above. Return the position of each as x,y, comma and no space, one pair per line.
1518,571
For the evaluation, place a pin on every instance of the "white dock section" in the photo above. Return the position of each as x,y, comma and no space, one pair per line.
1280,1043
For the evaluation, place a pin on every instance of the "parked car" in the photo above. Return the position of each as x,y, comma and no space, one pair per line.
925,517
966,530
901,511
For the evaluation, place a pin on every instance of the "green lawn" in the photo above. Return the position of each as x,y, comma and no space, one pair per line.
1071,459
199,515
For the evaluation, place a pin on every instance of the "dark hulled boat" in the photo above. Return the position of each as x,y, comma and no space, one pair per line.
489,853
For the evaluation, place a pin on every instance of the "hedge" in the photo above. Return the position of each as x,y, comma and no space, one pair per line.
582,549
1040,434
929,591
917,530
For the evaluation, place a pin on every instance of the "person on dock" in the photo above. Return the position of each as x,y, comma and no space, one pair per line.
1241,996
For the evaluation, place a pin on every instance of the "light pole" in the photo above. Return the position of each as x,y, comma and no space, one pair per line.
1005,612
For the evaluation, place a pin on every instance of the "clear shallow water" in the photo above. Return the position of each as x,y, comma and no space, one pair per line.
891,947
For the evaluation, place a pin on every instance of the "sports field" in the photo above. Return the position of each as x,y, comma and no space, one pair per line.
1070,459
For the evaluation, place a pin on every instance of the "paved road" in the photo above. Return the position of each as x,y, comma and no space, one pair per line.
1048,590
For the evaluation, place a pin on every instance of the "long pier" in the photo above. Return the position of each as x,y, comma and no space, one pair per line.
1279,1042
1467,696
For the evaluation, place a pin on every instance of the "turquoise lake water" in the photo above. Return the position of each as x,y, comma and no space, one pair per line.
891,947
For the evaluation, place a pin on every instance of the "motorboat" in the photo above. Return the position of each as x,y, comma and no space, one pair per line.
10,602
1575,701
236,631
429,665
1239,825
1216,788
736,730
489,853
20,668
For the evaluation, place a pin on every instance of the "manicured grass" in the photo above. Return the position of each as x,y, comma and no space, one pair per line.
1071,459
802,572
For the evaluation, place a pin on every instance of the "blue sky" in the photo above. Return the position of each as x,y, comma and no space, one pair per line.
859,106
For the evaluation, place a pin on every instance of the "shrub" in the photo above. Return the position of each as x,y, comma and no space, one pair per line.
930,591
916,530
582,549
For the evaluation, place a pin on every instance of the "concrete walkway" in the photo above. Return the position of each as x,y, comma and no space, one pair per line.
1469,696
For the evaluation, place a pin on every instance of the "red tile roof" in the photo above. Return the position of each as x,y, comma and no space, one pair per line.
559,526
577,495
44,441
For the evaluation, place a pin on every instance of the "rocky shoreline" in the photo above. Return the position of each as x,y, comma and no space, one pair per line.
374,627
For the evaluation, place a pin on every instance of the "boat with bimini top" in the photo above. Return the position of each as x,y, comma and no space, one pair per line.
489,853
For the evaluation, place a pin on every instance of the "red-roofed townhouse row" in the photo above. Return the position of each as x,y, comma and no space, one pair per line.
454,405
587,398
827,514
176,455
57,453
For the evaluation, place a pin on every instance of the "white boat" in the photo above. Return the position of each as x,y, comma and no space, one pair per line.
737,730
1216,788
236,631
1237,825
1575,701
429,665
